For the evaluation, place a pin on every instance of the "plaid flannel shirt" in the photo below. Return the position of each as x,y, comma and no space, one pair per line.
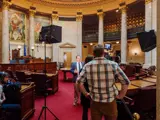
101,75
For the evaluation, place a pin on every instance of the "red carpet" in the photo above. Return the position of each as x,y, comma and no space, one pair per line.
60,103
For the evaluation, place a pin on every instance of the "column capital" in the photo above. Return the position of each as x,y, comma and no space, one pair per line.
55,16
32,11
148,1
100,13
123,9
6,5
79,16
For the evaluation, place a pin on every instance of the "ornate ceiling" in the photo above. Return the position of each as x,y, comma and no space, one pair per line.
71,1
70,7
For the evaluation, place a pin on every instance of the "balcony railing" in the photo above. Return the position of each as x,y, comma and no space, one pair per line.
92,36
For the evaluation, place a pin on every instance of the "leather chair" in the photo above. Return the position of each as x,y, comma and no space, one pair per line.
21,77
42,83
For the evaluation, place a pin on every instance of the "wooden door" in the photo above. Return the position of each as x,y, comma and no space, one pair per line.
67,59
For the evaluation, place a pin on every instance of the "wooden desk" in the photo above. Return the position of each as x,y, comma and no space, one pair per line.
132,90
32,66
141,83
27,100
150,79
52,76
130,87
65,70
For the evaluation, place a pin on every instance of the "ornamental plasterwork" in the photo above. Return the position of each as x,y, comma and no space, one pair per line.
69,2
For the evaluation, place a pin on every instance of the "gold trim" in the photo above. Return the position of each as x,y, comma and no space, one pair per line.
79,18
55,17
6,5
32,12
148,1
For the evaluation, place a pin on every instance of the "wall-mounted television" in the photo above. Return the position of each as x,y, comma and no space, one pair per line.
107,46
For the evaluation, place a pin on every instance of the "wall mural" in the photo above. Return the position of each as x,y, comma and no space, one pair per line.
17,23
39,22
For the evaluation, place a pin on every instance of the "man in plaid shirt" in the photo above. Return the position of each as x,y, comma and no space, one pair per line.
101,75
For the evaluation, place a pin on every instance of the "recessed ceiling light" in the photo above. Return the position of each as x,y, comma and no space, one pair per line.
117,42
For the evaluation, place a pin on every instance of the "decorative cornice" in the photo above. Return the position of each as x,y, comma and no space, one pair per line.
6,5
148,1
68,3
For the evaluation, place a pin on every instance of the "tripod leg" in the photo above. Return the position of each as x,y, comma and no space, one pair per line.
52,113
40,113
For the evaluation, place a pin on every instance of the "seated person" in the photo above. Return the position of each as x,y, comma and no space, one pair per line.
11,89
2,96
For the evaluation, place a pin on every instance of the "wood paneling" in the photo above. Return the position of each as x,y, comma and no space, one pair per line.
32,66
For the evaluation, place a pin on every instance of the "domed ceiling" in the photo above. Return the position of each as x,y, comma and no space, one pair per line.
70,7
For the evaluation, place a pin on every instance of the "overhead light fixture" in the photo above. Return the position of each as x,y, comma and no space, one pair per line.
117,42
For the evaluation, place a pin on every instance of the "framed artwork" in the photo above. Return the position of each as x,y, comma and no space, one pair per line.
40,21
17,26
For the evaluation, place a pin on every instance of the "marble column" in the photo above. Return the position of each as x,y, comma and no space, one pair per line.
148,27
123,35
154,27
79,19
31,30
55,50
158,64
5,32
101,28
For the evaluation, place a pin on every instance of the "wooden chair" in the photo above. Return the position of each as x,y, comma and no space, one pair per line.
145,103
21,77
41,81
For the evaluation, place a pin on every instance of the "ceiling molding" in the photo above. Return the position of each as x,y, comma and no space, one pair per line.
68,2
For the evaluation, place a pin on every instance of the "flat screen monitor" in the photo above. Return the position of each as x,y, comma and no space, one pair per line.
107,46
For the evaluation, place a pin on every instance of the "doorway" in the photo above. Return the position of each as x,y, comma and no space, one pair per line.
67,59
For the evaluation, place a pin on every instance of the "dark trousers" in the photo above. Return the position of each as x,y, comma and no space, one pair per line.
85,113
12,111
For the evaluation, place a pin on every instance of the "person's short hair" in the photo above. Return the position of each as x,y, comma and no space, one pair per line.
77,56
98,50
